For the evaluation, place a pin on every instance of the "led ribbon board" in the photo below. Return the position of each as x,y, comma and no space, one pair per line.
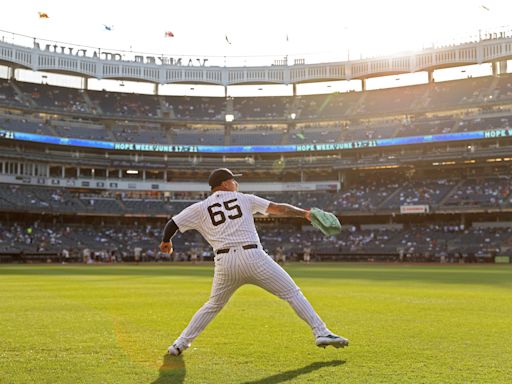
173,148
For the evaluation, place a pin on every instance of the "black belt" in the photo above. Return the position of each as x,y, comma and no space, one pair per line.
226,250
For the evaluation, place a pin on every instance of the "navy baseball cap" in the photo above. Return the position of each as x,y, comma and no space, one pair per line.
219,175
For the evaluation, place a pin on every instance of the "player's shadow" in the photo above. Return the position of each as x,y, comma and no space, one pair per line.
294,373
172,370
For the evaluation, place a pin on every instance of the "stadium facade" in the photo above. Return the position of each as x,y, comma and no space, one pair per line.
419,172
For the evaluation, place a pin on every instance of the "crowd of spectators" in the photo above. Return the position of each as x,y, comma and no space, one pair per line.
125,104
311,133
195,108
55,98
429,192
482,192
92,242
370,196
8,96
273,108
363,197
411,111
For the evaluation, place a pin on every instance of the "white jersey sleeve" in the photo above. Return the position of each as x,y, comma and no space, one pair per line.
188,218
258,204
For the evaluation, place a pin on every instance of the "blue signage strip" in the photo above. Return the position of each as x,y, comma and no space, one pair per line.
172,148
61,140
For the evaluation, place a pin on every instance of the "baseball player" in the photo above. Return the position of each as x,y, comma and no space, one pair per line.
193,255
280,255
307,254
225,220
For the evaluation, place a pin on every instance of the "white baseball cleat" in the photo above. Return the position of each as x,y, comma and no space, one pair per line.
331,339
176,349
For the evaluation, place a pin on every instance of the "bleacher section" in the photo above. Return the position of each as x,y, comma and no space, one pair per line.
126,105
140,133
26,124
195,108
429,242
397,100
482,192
328,118
260,135
15,198
328,106
198,137
420,192
257,108
8,95
80,130
390,194
467,92
55,98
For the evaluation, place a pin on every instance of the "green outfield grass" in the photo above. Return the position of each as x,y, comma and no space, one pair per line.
113,324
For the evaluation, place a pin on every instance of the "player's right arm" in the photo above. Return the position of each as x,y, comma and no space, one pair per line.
281,209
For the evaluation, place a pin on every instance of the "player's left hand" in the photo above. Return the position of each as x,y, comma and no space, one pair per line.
166,247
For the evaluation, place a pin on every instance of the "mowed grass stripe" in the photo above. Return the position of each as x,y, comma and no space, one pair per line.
112,324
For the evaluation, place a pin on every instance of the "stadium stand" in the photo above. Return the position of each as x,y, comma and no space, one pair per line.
8,95
404,100
261,135
54,98
461,200
193,137
269,108
195,108
481,192
124,104
416,106
413,243
419,192
139,133
327,106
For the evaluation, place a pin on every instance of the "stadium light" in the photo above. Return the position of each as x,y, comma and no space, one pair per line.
230,118
132,172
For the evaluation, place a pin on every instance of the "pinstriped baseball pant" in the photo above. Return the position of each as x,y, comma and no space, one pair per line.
254,266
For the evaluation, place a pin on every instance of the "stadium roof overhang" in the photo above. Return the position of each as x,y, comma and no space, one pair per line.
151,71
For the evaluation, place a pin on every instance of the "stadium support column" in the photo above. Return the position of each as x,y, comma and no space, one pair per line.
156,89
294,89
463,221
363,85
503,66
430,76
85,83
499,67
341,178
227,133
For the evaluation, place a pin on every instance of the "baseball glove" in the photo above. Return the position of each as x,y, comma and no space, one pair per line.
326,222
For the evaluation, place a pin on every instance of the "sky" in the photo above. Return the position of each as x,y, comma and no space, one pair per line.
245,33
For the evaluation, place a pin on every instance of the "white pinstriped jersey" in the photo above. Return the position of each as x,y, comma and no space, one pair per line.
224,219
